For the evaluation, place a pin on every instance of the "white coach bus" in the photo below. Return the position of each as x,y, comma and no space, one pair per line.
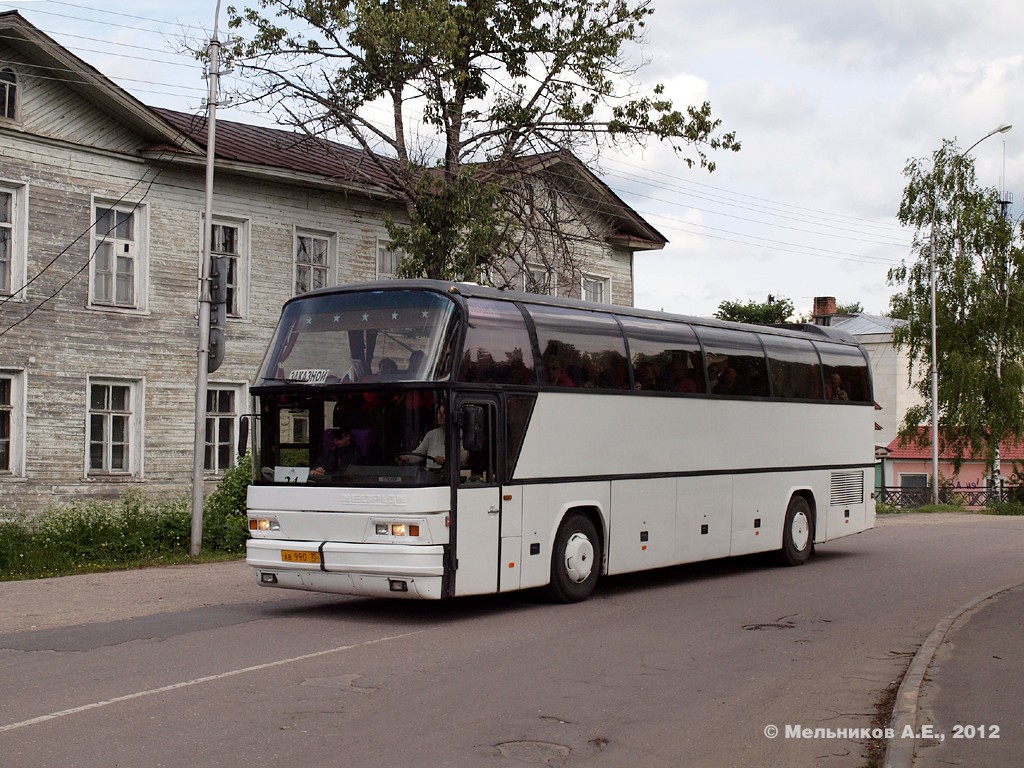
586,440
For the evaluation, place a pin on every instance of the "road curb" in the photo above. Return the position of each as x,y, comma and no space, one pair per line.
899,752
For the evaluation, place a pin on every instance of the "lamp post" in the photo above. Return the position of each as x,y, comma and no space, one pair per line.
935,360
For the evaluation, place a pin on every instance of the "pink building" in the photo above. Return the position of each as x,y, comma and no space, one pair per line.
907,467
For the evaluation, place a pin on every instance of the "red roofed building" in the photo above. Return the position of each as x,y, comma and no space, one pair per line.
908,466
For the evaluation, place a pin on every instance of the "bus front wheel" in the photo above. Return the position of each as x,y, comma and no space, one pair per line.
575,561
798,532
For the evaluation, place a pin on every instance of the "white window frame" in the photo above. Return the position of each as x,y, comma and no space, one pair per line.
15,413
328,268
394,256
137,247
238,287
134,416
210,451
606,287
17,229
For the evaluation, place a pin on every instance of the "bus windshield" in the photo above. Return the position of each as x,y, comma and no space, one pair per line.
352,338
353,437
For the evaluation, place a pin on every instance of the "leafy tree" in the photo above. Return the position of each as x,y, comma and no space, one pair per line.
777,309
853,308
450,100
979,306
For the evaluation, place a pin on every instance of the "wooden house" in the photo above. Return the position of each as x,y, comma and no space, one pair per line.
101,218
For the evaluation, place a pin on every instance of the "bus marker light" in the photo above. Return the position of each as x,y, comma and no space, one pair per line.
381,529
398,529
414,530
398,586
268,578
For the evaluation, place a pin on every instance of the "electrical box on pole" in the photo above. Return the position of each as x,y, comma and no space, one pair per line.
219,266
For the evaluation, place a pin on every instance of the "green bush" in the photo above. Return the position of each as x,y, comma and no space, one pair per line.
1005,508
130,532
225,528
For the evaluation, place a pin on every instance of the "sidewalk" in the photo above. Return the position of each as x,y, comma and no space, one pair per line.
962,693
100,597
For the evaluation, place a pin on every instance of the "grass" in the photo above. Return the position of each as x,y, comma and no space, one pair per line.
132,532
995,508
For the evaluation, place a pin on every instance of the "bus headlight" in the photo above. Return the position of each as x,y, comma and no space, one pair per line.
264,524
396,529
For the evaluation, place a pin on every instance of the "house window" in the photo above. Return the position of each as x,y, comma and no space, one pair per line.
117,265
11,413
597,289
312,262
388,260
908,481
6,240
112,432
13,236
221,426
538,279
228,241
8,94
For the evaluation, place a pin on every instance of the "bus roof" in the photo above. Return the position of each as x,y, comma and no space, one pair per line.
473,290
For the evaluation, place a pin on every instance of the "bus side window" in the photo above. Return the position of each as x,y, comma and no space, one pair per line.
736,362
479,438
794,366
848,363
498,347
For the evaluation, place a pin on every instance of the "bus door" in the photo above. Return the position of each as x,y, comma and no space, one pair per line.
477,516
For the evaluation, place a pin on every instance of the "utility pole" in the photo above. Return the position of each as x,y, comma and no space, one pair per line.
203,360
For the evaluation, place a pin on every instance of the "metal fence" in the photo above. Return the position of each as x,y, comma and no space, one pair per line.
908,498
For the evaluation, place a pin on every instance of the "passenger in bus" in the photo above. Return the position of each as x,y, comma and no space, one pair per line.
555,374
685,379
834,389
338,454
431,450
728,382
644,376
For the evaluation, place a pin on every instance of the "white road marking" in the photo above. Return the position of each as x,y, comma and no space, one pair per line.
197,681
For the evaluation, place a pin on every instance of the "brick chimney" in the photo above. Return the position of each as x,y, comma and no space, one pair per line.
824,309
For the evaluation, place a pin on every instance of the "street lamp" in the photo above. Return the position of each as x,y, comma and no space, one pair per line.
935,361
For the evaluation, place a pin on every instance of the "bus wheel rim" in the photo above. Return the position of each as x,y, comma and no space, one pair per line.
579,557
800,531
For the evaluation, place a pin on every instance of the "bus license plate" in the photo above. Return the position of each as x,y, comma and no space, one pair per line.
296,556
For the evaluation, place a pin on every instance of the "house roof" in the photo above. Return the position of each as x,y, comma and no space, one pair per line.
49,56
287,155
1010,450
274,148
283,150
863,324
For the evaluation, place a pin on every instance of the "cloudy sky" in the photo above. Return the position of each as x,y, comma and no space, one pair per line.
830,99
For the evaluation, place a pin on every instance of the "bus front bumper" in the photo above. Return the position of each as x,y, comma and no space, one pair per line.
373,570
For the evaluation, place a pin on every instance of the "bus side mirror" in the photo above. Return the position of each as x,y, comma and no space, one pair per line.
472,427
243,436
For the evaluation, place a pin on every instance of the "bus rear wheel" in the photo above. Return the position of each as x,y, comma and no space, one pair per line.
797,532
575,561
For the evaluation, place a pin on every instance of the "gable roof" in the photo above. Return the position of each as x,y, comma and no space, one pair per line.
46,53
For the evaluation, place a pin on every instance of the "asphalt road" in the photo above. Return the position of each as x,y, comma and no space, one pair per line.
690,666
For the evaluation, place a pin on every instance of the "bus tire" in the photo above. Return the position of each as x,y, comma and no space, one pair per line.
575,560
797,532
